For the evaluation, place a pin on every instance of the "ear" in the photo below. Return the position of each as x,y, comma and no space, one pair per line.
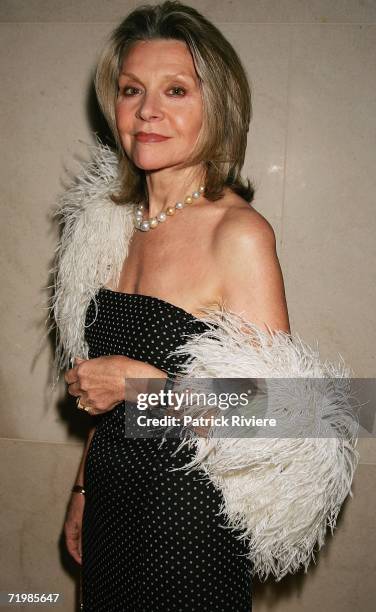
78,360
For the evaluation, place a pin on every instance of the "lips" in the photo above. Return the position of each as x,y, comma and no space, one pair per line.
150,137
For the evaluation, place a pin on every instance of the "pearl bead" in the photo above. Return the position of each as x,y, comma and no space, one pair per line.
145,226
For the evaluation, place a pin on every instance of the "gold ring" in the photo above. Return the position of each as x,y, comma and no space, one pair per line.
81,406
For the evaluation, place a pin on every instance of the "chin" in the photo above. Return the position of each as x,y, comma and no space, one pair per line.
150,163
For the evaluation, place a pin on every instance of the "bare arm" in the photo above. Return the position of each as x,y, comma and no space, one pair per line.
251,278
252,281
80,474
73,519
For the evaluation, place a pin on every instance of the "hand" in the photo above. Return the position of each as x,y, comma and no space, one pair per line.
100,382
73,526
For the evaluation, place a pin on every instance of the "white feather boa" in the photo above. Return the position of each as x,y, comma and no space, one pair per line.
283,492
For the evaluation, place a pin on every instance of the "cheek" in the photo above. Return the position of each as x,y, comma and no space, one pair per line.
189,121
122,117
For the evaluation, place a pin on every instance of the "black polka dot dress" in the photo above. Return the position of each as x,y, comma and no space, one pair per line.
152,539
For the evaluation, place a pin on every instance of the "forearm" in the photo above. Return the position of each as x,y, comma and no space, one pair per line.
80,474
188,408
149,379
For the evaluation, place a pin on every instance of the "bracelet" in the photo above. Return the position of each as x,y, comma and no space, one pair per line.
79,489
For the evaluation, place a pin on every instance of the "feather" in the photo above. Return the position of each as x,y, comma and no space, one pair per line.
91,251
282,493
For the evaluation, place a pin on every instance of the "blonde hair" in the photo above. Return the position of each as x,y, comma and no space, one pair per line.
226,95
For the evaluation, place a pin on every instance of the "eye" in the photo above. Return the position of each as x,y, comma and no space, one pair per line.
127,90
178,89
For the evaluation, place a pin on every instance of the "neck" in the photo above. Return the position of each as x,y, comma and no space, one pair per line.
168,186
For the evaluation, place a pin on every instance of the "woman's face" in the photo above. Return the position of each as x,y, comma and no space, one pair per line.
159,94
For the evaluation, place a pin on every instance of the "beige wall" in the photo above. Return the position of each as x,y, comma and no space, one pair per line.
312,157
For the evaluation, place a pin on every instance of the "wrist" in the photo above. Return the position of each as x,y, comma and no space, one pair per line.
122,373
138,378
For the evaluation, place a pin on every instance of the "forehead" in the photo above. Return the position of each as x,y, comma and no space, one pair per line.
159,56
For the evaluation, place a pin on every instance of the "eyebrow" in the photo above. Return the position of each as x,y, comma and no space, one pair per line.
166,76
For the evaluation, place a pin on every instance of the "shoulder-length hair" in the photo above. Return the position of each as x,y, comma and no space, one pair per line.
226,95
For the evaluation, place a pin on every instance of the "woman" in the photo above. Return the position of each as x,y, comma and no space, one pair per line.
178,102
216,249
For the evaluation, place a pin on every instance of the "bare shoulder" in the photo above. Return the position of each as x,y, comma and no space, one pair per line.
247,266
242,229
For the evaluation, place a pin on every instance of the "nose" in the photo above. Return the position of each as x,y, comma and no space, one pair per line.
150,107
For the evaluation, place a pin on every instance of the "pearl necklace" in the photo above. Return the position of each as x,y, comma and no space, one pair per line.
146,224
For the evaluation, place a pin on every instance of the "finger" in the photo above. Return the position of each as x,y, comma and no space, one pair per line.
72,543
71,376
85,401
75,390
75,554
